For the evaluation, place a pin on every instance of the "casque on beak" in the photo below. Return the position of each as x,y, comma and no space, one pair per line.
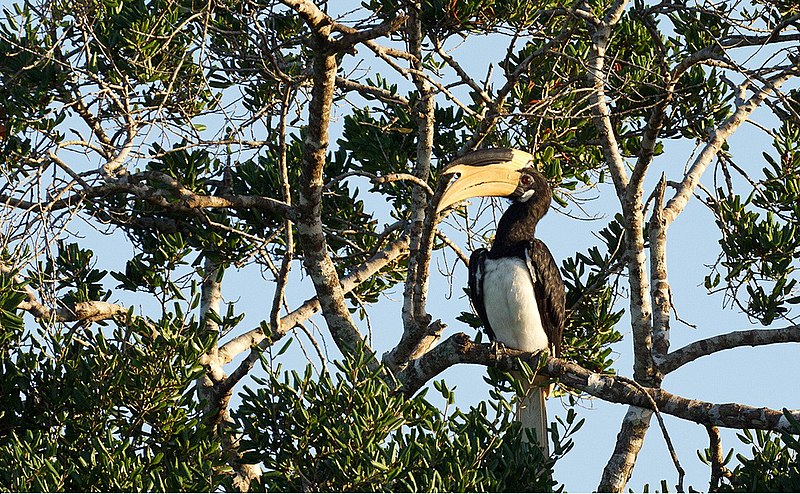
484,173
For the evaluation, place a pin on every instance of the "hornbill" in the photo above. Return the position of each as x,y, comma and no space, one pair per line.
515,286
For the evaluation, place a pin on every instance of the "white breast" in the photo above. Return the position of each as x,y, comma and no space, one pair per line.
510,304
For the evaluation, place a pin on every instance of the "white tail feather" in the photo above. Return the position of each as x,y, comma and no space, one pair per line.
532,414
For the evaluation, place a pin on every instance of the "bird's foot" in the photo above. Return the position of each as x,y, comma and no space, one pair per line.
497,348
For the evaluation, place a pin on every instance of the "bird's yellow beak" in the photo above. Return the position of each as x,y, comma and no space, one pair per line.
484,173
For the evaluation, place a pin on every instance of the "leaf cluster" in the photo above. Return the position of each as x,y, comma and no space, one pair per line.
590,279
773,464
759,233
106,410
352,431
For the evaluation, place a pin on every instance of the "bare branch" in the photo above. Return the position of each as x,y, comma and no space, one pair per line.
718,469
659,290
355,36
727,341
462,74
316,259
454,247
286,263
601,113
377,92
384,179
418,335
83,312
494,110
316,19
629,442
188,201
664,432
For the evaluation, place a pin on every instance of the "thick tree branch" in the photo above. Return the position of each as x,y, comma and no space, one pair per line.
178,199
640,301
83,312
316,19
417,336
210,302
660,291
459,348
354,36
630,439
90,311
630,198
316,259
601,113
215,399
322,24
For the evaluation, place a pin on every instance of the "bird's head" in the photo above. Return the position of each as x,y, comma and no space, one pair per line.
501,172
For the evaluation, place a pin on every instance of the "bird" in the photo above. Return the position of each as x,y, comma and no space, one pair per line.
514,286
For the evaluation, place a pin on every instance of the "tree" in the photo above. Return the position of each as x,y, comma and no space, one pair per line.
222,137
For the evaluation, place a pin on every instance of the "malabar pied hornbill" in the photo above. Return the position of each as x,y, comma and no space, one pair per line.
515,286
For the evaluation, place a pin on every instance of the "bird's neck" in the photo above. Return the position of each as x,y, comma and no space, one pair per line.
517,227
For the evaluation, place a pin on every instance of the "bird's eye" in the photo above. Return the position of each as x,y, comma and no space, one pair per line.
525,180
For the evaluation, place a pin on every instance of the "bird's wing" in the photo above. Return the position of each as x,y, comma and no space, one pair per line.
549,289
476,272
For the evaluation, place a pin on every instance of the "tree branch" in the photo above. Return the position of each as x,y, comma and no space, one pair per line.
659,290
311,237
727,341
459,348
601,113
384,179
179,199
354,36
714,144
494,110
83,312
630,439
376,92
257,337
718,469
286,263
417,336
316,19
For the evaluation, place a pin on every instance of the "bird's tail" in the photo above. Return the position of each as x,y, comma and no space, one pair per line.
532,412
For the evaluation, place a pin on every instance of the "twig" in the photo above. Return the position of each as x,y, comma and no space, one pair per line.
455,248
382,179
286,263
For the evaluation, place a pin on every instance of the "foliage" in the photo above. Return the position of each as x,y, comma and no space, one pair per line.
352,432
103,410
759,233
773,464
